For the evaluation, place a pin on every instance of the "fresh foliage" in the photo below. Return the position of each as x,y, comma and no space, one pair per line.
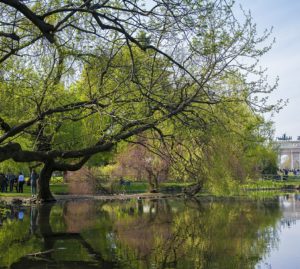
79,77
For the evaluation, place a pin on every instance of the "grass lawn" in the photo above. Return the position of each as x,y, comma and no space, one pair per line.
267,184
135,187
143,186
55,189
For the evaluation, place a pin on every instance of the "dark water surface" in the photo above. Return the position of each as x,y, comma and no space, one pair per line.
153,234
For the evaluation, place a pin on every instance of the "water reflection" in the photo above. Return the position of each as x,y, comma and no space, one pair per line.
286,255
140,234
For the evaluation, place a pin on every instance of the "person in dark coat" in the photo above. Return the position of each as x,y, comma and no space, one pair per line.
33,182
10,179
2,182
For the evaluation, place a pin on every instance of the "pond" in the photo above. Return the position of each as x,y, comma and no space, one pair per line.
164,233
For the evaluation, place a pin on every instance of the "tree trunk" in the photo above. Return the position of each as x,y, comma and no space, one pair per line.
44,193
44,212
193,189
156,185
152,183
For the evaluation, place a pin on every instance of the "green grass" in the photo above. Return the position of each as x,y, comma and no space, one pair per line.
261,188
55,189
176,184
134,187
142,187
268,184
59,188
57,180
267,188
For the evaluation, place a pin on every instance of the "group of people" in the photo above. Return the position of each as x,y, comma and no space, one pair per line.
284,171
11,181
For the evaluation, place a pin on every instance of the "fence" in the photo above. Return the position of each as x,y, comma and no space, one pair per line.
280,177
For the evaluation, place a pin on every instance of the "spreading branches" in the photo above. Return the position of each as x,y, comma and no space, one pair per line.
45,28
100,72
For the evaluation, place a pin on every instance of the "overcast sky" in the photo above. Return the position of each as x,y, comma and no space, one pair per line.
284,58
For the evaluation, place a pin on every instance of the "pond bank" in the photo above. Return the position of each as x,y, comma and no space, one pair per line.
18,200
27,200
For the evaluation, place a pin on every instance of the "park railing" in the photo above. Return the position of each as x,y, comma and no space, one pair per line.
280,177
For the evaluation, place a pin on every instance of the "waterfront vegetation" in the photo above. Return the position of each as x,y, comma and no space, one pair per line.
163,233
113,98
251,188
248,187
169,91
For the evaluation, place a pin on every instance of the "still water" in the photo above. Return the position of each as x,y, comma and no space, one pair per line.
140,234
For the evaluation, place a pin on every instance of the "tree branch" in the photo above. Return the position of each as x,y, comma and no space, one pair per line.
46,28
12,36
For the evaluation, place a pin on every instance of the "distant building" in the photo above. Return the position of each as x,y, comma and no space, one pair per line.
284,137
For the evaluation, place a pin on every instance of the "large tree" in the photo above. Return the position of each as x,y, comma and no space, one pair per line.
77,77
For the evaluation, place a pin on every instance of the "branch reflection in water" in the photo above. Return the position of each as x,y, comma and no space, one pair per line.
140,234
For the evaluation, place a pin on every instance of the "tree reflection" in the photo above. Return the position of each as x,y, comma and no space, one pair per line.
51,240
203,235
140,234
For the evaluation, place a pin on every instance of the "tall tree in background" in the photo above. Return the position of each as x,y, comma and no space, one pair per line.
139,162
77,77
224,147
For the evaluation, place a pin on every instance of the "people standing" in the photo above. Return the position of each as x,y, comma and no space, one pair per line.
2,182
16,184
21,180
11,179
5,183
33,182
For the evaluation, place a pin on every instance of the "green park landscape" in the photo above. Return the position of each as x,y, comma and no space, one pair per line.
141,131
91,89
